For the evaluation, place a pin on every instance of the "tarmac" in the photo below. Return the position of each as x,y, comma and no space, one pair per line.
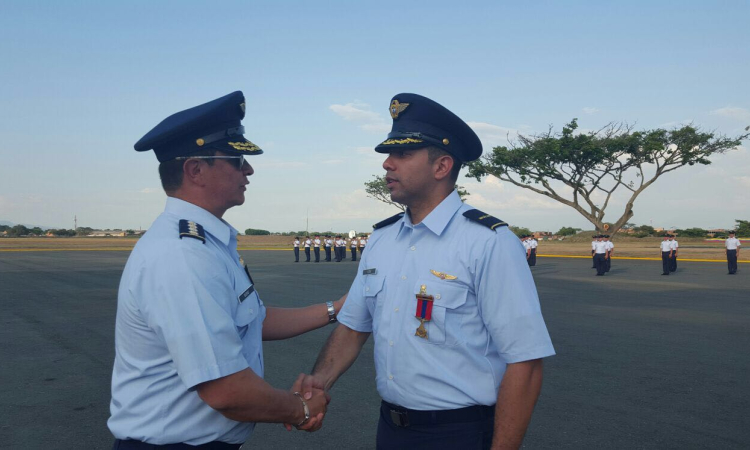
643,360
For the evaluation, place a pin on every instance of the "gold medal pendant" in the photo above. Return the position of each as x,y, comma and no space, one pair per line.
424,311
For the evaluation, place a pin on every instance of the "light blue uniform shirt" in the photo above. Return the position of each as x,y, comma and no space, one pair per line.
487,317
180,322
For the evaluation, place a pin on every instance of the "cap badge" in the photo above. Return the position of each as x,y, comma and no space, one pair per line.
200,142
397,108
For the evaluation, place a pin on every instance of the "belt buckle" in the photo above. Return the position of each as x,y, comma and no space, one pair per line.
400,418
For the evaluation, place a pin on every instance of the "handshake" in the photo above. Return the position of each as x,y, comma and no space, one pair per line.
314,399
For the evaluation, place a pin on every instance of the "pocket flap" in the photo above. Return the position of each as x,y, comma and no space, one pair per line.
373,284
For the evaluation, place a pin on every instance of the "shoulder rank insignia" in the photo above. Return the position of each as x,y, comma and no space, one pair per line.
443,275
484,219
191,229
388,221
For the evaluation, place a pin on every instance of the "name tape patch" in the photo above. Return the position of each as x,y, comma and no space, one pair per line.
246,294
369,271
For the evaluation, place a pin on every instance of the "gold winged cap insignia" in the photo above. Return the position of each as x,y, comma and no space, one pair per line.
443,275
397,108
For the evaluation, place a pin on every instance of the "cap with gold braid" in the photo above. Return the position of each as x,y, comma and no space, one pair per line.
214,125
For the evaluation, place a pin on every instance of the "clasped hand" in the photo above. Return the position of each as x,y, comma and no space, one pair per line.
317,400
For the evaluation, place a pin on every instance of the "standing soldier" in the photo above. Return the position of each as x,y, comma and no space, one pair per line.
328,247
610,252
593,249
600,255
675,249
296,248
666,255
316,248
533,244
307,248
732,245
361,245
353,247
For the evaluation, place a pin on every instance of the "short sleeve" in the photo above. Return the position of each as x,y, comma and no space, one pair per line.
508,301
355,314
186,300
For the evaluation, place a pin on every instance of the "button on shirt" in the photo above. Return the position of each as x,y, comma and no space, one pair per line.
732,243
487,317
180,322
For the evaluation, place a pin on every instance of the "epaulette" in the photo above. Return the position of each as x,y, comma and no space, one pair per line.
388,221
191,229
484,219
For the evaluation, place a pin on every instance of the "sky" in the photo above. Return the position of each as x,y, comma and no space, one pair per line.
81,82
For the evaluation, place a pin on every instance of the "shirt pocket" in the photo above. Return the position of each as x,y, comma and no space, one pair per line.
247,310
372,291
445,326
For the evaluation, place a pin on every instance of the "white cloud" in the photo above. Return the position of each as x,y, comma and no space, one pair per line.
732,112
368,120
590,110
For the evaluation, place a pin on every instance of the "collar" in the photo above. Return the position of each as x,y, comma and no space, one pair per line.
437,220
213,225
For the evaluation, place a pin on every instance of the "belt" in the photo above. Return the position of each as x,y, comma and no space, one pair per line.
132,444
404,417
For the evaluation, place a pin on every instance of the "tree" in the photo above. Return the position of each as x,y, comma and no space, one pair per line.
518,231
18,230
691,232
567,231
578,169
743,228
378,189
254,232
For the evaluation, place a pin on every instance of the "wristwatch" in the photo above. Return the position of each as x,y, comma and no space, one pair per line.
304,406
331,312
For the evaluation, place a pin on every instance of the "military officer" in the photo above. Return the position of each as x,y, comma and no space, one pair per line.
353,247
732,245
610,252
316,248
188,369
533,244
328,243
666,254
454,313
308,243
361,245
674,245
600,255
593,250
296,248
337,248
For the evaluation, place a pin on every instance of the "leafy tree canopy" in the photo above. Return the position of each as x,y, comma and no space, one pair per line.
583,170
378,189
743,228
567,231
518,231
254,232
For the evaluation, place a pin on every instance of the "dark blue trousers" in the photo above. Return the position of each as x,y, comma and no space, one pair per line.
673,263
307,254
328,253
296,254
354,253
473,435
600,263
732,261
317,254
129,444
665,263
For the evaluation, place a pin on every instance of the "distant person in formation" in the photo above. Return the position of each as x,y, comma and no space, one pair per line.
337,248
343,247
675,249
353,248
361,245
526,248
666,255
308,242
593,249
600,255
328,243
732,245
296,248
533,244
610,252
316,248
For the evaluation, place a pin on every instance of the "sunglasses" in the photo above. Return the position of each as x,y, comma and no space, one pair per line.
238,161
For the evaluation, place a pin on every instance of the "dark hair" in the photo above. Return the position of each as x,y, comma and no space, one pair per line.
170,172
434,153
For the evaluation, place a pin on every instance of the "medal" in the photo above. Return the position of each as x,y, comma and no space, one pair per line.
424,311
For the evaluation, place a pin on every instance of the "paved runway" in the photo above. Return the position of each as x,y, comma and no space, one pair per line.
643,360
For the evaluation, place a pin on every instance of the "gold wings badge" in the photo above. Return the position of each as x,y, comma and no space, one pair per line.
397,108
443,275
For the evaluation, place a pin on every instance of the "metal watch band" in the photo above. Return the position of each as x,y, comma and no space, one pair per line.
304,406
331,312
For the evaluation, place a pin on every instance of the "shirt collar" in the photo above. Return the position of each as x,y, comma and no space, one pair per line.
438,218
216,227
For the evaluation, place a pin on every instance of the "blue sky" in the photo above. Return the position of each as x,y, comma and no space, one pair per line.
81,82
